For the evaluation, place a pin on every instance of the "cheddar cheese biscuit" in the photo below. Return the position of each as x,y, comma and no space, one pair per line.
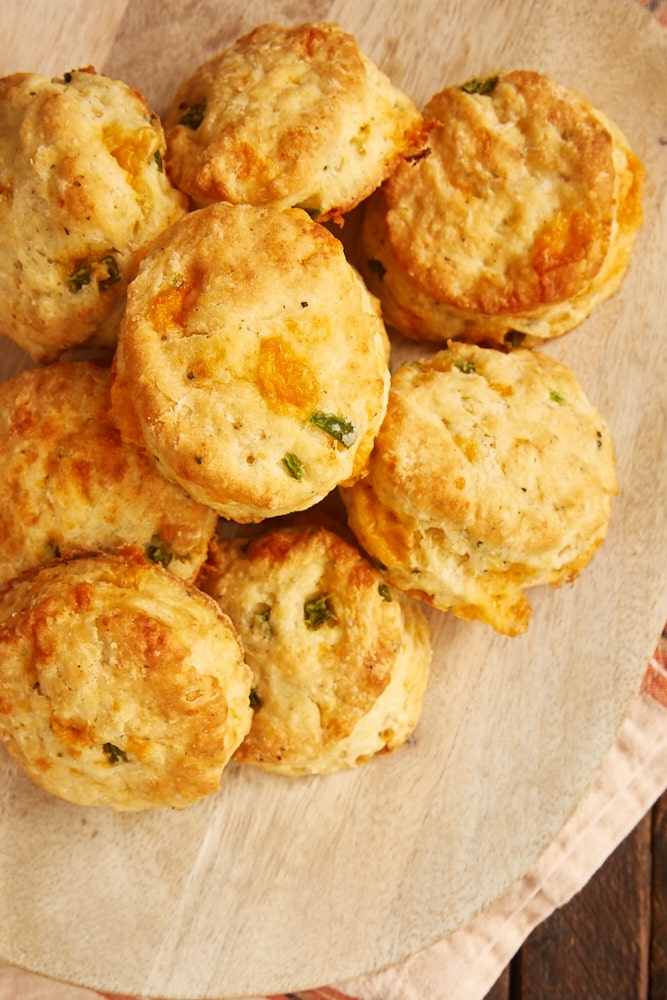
83,194
252,361
289,116
339,658
518,222
120,684
69,483
492,473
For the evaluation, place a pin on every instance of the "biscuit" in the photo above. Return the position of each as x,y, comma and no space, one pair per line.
519,221
291,117
252,361
83,193
492,473
339,658
69,483
120,685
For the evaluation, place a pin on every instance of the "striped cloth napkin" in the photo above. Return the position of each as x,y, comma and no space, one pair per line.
658,8
465,965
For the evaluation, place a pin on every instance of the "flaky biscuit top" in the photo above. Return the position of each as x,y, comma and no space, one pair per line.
252,362
69,483
492,473
289,116
339,658
80,172
521,217
120,685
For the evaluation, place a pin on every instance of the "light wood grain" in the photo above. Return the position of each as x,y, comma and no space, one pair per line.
277,884
50,37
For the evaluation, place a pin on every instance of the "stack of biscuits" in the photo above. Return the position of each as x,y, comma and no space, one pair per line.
223,529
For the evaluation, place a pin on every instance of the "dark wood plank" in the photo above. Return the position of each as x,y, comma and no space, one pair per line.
597,946
658,956
501,988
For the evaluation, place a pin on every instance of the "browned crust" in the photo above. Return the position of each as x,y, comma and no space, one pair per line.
120,685
70,483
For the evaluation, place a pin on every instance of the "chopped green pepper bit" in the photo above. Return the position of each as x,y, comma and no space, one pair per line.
83,275
193,116
294,465
480,85
339,428
384,592
317,611
314,213
113,272
79,277
157,156
556,396
464,366
114,753
158,552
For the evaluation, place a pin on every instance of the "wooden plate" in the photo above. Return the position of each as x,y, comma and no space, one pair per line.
277,884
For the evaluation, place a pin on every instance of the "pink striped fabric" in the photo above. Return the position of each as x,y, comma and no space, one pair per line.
658,8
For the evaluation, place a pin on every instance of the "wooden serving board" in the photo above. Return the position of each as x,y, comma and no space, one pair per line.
273,883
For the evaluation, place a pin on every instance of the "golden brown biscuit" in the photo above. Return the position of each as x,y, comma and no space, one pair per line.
252,361
82,195
69,483
339,658
519,221
289,116
120,685
492,473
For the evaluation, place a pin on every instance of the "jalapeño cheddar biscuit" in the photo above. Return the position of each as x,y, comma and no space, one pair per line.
492,473
83,193
69,483
518,222
120,684
289,116
339,658
252,361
